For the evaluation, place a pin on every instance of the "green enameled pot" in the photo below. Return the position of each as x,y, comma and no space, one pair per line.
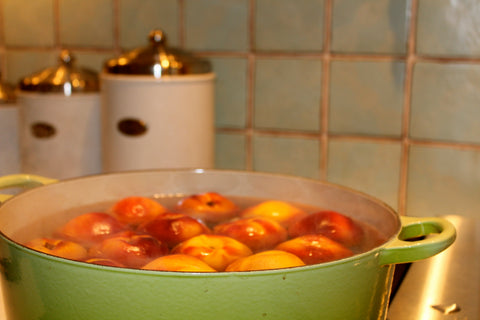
40,286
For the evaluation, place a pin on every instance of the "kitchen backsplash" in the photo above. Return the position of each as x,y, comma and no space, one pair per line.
382,96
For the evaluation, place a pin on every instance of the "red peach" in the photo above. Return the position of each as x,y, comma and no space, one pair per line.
58,247
210,207
257,233
129,248
280,211
315,248
90,228
266,260
135,210
178,262
331,224
173,228
215,250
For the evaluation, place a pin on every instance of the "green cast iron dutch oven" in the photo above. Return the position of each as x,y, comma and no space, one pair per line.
40,286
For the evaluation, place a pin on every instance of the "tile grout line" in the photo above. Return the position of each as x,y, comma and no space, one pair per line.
116,27
407,99
56,25
3,52
249,154
181,23
354,137
325,90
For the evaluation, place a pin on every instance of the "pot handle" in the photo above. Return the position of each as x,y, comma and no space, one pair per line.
23,181
420,238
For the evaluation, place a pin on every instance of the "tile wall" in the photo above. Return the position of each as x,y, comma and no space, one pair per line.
379,95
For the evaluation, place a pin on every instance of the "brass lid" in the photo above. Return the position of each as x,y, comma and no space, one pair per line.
66,78
7,94
157,59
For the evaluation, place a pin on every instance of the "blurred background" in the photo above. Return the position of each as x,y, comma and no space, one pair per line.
378,95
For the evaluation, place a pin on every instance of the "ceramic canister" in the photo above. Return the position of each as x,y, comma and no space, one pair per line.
157,109
60,121
9,145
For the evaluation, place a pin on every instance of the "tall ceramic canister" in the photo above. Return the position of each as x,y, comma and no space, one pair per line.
60,133
9,144
157,109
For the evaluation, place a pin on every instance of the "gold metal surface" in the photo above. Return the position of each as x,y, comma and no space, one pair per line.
66,78
157,59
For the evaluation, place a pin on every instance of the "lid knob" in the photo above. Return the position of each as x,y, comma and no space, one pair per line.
157,36
66,57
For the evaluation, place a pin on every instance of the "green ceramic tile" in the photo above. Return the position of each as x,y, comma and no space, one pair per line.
443,181
28,23
86,23
370,167
445,100
448,28
24,63
230,91
289,25
287,94
287,155
370,26
230,151
92,60
216,25
366,97
138,18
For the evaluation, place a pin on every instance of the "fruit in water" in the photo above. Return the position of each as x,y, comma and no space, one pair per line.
178,262
257,233
331,224
210,207
58,247
280,211
173,228
129,248
135,210
266,260
215,250
90,228
315,248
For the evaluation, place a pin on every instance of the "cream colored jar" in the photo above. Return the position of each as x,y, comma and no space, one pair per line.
9,144
60,130
157,109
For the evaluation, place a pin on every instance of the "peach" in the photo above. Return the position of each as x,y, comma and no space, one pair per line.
178,262
89,228
105,262
58,247
215,250
266,260
173,228
257,233
280,211
129,248
135,210
210,207
315,248
331,224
